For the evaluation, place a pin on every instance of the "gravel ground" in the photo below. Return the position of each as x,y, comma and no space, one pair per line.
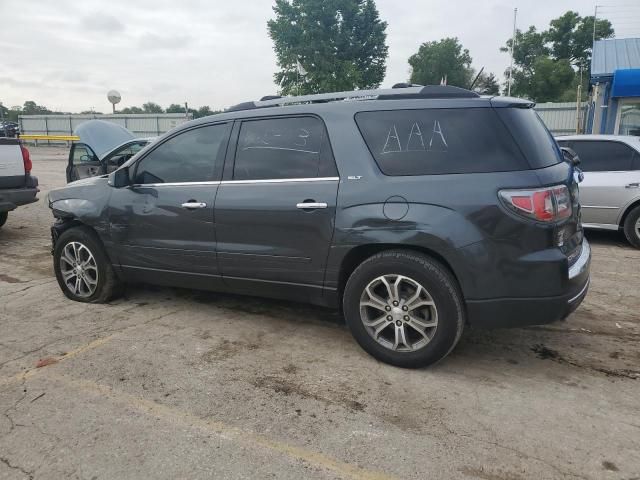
171,383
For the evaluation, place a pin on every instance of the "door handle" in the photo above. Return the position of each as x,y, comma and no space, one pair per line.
311,205
633,185
191,205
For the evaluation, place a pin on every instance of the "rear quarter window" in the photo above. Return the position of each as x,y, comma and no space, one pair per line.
439,141
533,137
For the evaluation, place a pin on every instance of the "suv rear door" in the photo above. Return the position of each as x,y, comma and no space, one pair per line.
611,179
275,209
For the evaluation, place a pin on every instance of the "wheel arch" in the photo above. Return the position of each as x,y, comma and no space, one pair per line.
627,211
360,253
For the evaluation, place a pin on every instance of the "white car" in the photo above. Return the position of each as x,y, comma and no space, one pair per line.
610,192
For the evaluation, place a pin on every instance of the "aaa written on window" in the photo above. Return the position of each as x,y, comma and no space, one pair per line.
439,141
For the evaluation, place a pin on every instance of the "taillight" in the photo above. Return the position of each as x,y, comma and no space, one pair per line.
26,159
549,204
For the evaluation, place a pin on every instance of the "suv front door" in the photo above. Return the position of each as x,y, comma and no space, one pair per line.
275,209
611,180
83,163
162,225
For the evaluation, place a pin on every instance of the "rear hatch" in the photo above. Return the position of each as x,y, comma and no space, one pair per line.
545,158
12,171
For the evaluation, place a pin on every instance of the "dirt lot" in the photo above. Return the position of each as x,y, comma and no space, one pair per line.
170,383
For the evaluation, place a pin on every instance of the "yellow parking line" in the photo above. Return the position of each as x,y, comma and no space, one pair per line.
34,371
224,430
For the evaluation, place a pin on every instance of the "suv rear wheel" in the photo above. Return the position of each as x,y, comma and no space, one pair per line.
3,218
632,227
82,268
404,308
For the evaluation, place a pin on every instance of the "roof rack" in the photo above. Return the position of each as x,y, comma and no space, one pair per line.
408,92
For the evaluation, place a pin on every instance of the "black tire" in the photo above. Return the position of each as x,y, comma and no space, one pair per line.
3,218
441,287
630,230
108,285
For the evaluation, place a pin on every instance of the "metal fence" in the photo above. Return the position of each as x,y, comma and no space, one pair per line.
563,118
142,125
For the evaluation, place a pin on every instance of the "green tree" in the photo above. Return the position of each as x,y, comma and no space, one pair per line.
32,108
151,107
175,108
136,110
487,84
571,37
439,59
548,81
339,43
542,60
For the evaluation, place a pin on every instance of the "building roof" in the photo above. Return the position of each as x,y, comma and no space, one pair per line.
615,54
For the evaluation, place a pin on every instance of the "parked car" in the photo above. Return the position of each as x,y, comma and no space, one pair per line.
9,129
418,211
17,185
610,193
103,147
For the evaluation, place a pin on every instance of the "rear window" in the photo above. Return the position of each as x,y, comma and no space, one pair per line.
439,141
535,140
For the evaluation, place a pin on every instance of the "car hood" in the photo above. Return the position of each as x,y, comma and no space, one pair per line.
102,136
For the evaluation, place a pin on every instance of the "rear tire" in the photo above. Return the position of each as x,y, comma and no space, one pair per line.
632,227
404,308
3,218
82,268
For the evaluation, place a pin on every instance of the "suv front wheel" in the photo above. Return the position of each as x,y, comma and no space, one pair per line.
82,268
404,308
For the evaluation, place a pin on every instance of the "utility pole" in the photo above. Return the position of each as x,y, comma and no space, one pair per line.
513,45
595,19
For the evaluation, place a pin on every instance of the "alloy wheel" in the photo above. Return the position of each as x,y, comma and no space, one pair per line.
79,269
398,313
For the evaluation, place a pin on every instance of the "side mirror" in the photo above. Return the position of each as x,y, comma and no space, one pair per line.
570,156
120,178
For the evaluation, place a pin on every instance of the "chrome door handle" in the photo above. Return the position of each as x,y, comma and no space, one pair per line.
193,205
311,205
633,185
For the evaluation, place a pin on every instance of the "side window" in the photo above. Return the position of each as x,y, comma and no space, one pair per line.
191,156
81,154
281,148
603,156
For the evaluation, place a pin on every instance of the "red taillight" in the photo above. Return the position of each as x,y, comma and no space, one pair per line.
26,159
542,204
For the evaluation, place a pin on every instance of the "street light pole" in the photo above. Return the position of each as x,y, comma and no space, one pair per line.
513,45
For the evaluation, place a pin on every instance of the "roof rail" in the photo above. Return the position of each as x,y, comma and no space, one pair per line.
409,92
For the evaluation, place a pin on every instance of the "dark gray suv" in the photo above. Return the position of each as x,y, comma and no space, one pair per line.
417,210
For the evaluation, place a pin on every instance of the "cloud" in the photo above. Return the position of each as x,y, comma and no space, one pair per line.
154,41
103,23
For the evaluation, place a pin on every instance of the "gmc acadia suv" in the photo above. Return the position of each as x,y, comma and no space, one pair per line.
417,210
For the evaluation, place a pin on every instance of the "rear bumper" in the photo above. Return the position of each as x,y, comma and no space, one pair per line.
520,312
14,197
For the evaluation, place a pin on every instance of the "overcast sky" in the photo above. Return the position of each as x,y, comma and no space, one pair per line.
67,54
